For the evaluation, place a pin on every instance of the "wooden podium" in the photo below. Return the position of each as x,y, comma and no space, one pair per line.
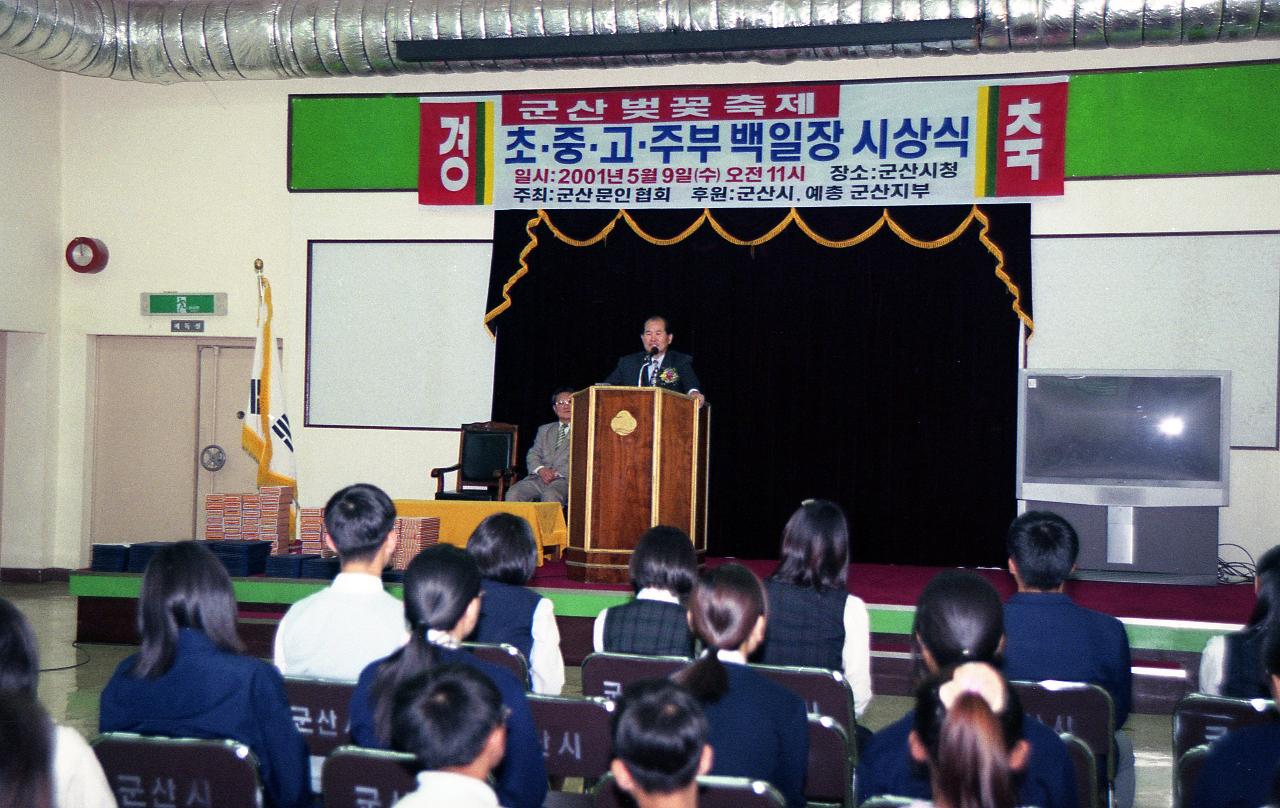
638,458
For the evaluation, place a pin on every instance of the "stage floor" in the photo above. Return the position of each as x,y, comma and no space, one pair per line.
1167,625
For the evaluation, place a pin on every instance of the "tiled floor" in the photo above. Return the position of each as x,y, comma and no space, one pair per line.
73,677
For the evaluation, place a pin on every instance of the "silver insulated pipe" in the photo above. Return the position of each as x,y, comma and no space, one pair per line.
188,40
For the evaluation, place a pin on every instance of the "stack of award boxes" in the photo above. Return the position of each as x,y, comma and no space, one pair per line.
251,517
311,531
415,533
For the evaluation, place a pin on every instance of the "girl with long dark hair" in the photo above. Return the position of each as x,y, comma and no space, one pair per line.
813,620
77,776
442,604
758,728
191,678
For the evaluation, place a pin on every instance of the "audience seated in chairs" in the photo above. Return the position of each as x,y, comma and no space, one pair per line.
758,728
1049,637
335,632
1232,665
660,745
507,552
664,567
452,719
191,679
813,620
442,605
77,778
1239,768
959,618
968,731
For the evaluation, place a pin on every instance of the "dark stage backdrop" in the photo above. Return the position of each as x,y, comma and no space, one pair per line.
881,376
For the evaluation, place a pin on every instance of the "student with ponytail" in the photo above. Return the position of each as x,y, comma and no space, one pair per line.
960,619
758,728
968,732
442,604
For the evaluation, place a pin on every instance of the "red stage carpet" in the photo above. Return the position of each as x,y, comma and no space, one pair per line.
900,585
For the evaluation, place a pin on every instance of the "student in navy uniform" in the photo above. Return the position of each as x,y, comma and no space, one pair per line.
452,720
959,619
968,731
758,728
191,678
442,604
660,745
1048,636
1240,766
504,547
813,620
663,570
1232,665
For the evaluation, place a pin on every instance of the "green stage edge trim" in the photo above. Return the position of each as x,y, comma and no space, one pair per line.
1166,122
589,603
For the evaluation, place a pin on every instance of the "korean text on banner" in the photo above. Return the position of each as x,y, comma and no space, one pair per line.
940,142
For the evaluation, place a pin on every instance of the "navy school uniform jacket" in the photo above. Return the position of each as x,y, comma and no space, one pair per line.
211,693
759,729
1047,636
1239,769
521,779
887,768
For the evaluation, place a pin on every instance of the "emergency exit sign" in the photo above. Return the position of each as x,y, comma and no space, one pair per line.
171,303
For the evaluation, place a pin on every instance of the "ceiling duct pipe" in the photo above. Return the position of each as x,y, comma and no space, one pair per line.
163,42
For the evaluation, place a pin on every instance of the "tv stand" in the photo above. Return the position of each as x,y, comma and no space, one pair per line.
1134,543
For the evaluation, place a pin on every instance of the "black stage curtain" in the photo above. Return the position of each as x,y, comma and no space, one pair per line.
881,376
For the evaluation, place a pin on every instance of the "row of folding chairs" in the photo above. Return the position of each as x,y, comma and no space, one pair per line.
147,771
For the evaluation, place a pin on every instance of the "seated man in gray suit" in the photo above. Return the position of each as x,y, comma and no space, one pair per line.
548,458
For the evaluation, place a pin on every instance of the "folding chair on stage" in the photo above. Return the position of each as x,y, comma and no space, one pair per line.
186,771
607,674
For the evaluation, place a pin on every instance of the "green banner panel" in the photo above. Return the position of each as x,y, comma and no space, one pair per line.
1220,120
353,143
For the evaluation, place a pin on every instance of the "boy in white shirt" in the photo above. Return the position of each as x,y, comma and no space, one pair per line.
335,633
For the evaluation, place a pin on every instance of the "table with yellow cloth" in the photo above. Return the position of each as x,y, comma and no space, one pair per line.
459,518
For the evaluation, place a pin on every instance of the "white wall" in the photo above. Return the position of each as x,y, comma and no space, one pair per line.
30,265
186,184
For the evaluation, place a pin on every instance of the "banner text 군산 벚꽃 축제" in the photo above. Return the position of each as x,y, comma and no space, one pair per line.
777,145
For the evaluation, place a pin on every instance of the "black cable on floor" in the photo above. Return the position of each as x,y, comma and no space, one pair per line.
79,663
1236,572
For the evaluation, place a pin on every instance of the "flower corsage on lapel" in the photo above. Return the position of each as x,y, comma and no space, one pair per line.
668,377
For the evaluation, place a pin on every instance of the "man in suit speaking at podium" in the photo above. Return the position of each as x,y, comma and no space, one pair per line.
656,366
548,458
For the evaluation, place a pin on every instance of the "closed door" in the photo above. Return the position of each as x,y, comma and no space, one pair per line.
224,467
159,402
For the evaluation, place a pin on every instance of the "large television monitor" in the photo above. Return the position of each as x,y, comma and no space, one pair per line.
1152,438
